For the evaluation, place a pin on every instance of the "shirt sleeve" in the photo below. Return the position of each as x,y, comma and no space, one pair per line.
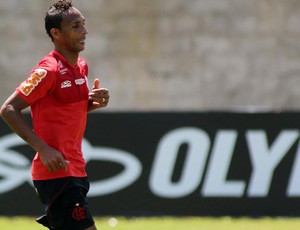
39,83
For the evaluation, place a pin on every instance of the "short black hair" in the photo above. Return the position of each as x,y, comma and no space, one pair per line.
55,14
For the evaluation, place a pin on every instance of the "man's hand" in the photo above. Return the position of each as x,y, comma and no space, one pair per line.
53,159
99,97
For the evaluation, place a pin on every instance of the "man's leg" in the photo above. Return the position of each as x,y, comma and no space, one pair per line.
76,210
91,228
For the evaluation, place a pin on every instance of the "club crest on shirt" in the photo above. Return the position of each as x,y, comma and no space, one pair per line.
35,78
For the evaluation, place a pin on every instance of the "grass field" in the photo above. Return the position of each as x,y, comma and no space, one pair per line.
168,223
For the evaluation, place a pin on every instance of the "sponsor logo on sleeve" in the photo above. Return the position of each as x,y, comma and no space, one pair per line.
35,78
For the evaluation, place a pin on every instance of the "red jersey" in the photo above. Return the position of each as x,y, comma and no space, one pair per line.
57,92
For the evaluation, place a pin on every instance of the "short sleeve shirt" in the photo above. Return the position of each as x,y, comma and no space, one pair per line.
57,92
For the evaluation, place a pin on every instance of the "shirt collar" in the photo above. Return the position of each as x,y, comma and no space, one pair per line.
62,58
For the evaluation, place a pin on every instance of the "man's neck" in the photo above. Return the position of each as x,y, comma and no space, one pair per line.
71,57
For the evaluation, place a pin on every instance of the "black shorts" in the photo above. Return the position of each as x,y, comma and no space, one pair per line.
66,203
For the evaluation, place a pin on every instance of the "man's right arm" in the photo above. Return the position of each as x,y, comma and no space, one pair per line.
11,112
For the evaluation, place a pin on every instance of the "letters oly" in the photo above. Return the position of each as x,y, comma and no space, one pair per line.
264,157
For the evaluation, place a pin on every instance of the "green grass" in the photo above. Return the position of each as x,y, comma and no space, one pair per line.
168,223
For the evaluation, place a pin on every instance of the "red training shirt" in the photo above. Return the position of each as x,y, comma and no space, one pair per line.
57,92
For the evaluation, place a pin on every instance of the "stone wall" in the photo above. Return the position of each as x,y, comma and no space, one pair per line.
171,54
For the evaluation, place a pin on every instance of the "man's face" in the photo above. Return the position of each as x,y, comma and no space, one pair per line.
73,31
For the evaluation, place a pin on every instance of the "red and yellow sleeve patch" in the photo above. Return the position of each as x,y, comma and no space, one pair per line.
35,78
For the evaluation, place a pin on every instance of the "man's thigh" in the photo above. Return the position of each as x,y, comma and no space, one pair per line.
71,211
67,205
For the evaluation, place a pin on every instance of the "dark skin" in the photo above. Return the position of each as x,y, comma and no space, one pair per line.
69,41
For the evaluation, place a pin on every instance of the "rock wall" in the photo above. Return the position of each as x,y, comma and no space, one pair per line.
171,54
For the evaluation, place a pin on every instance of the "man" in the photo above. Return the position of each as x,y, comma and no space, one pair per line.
57,93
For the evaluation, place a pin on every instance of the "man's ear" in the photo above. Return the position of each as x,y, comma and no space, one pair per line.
55,33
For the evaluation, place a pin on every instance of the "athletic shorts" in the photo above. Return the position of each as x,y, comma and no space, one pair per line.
66,203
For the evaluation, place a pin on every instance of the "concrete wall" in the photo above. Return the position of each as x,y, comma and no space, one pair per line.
171,54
